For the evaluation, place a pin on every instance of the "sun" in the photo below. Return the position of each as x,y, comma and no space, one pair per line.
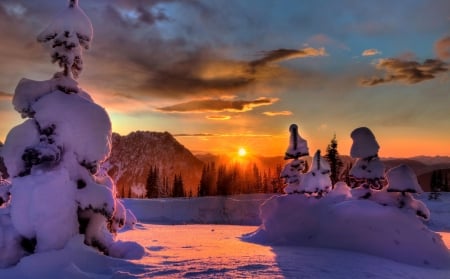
242,152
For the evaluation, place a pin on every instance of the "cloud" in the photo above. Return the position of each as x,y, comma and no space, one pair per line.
370,52
406,71
195,135
282,54
442,48
218,117
218,105
325,40
205,71
5,96
278,113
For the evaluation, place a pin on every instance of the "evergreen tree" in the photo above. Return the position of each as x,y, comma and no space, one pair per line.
178,187
332,156
277,182
224,179
164,189
204,188
435,185
152,185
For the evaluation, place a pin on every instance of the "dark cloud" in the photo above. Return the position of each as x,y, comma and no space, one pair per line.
217,105
442,48
285,54
205,72
406,71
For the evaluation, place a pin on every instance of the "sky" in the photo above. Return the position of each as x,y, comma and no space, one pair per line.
220,75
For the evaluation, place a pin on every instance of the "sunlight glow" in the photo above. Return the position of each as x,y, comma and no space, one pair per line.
242,152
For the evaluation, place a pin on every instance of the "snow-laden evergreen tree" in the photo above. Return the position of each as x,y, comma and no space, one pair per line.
402,184
68,35
367,174
292,172
316,182
57,185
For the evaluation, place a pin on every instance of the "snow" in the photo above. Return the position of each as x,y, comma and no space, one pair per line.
298,146
216,250
82,127
17,140
364,143
369,169
402,179
292,174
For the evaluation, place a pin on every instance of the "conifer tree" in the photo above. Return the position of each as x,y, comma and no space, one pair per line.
178,187
332,156
153,183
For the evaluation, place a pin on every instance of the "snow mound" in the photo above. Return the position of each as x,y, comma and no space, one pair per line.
76,260
339,222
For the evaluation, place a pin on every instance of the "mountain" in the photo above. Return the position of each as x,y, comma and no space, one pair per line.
133,155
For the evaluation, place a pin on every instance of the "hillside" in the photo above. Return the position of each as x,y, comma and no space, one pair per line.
133,155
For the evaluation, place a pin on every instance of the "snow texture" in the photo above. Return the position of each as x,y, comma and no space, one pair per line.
207,251
292,174
402,179
57,187
364,143
69,33
18,139
340,222
82,127
317,180
298,147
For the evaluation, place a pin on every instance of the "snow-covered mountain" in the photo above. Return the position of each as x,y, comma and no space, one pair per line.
133,155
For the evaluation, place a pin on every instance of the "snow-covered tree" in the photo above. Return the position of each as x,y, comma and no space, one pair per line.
367,174
292,172
402,183
316,181
54,158
68,35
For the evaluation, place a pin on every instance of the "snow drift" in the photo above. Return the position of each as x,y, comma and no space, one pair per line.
340,222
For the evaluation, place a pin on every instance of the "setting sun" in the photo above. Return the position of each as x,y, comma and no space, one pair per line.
242,152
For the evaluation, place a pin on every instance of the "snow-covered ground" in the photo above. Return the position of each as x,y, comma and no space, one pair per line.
178,246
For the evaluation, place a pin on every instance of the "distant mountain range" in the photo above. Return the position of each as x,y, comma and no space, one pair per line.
423,166
133,155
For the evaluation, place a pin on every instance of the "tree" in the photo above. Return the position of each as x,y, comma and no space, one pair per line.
332,156
152,185
68,43
55,158
178,187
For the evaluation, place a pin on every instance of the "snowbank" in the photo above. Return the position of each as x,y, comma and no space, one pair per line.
237,210
75,261
350,224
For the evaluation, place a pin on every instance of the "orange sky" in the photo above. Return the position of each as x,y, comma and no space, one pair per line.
224,74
